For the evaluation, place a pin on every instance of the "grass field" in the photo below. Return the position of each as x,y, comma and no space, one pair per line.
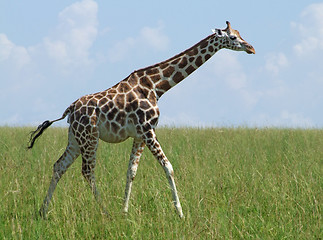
233,183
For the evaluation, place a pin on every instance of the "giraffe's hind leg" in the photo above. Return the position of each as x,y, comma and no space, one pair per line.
60,167
88,167
137,149
88,151
154,146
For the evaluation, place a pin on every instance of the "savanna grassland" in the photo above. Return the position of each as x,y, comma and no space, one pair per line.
233,183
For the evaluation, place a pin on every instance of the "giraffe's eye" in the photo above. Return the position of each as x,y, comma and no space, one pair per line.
233,38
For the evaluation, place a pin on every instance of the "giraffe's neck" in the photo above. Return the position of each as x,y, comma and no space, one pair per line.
165,75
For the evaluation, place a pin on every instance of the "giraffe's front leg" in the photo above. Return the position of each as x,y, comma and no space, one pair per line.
137,149
154,146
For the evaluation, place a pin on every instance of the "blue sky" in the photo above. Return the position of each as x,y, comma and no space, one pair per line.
53,52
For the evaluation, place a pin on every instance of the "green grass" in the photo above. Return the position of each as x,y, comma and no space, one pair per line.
233,183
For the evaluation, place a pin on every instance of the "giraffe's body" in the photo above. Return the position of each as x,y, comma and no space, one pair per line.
129,109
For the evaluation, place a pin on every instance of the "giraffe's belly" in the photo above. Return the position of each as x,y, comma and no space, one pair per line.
110,138
113,133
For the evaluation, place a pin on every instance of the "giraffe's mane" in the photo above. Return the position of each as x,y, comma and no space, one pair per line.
174,57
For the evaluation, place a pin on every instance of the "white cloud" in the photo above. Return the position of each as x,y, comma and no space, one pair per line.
68,45
275,61
306,46
154,37
285,118
13,54
182,119
295,119
121,49
11,120
74,35
310,30
56,50
5,47
25,70
148,36
227,67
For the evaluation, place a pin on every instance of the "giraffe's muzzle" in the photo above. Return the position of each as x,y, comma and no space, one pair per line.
250,49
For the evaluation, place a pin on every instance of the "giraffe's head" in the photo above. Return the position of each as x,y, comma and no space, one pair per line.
231,39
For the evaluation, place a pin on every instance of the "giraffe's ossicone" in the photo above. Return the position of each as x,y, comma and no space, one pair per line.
129,109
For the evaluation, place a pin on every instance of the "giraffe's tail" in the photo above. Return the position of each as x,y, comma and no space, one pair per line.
42,127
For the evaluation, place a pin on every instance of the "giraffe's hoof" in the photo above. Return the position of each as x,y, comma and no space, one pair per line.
42,213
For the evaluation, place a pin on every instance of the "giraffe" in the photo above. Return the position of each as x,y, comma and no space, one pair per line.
129,109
